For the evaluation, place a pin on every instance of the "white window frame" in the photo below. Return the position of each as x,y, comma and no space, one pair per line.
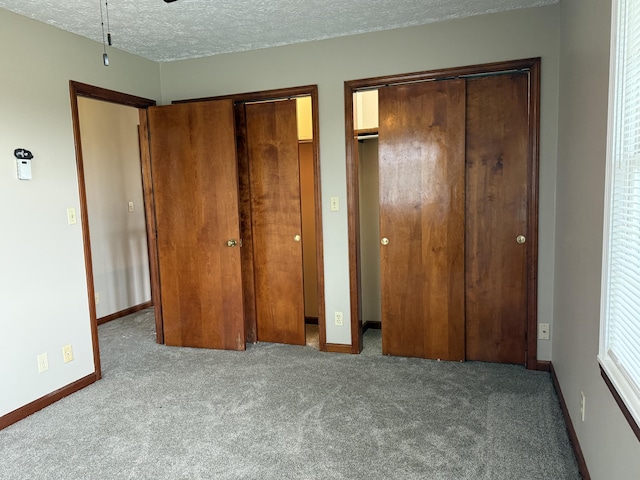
626,389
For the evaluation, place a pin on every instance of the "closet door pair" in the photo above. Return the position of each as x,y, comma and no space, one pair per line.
198,205
454,160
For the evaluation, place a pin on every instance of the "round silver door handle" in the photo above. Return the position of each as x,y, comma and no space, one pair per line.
521,239
384,241
231,243
297,238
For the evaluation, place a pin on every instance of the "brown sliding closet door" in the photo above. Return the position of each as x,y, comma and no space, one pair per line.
422,182
497,196
274,181
193,162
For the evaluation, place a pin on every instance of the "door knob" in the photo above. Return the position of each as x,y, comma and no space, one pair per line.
297,238
384,241
231,243
521,239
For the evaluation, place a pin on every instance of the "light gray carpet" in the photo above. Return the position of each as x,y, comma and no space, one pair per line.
286,412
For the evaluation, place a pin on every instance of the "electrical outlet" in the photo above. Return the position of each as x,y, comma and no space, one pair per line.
67,353
583,402
43,363
339,319
97,298
543,331
131,206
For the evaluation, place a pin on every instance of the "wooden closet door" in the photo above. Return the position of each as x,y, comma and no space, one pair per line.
194,177
274,178
421,163
496,214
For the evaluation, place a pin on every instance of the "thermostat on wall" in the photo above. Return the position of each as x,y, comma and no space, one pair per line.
24,169
23,163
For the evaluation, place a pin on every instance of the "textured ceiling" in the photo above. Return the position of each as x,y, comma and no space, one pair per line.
196,28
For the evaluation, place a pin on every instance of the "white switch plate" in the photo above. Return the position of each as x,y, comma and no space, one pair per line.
543,331
71,216
131,206
335,204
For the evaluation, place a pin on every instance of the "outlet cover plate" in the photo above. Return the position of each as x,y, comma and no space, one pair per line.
67,353
43,363
543,331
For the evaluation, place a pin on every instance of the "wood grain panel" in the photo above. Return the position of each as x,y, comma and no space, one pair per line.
244,208
496,213
150,221
308,210
193,157
291,92
421,156
274,177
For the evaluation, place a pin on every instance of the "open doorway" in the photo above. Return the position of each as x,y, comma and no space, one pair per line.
115,208
124,268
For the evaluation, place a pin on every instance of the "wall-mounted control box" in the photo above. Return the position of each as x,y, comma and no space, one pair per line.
24,169
23,163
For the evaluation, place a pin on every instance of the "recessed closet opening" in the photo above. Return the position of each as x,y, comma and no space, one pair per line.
365,109
308,213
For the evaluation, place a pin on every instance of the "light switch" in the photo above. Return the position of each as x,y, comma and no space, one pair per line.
335,204
71,216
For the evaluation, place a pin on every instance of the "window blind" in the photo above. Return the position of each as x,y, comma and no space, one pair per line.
620,340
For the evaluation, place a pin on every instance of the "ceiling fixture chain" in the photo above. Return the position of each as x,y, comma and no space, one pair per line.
106,4
105,57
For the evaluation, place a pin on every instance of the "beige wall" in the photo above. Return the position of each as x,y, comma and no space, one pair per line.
612,451
43,292
328,63
111,158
